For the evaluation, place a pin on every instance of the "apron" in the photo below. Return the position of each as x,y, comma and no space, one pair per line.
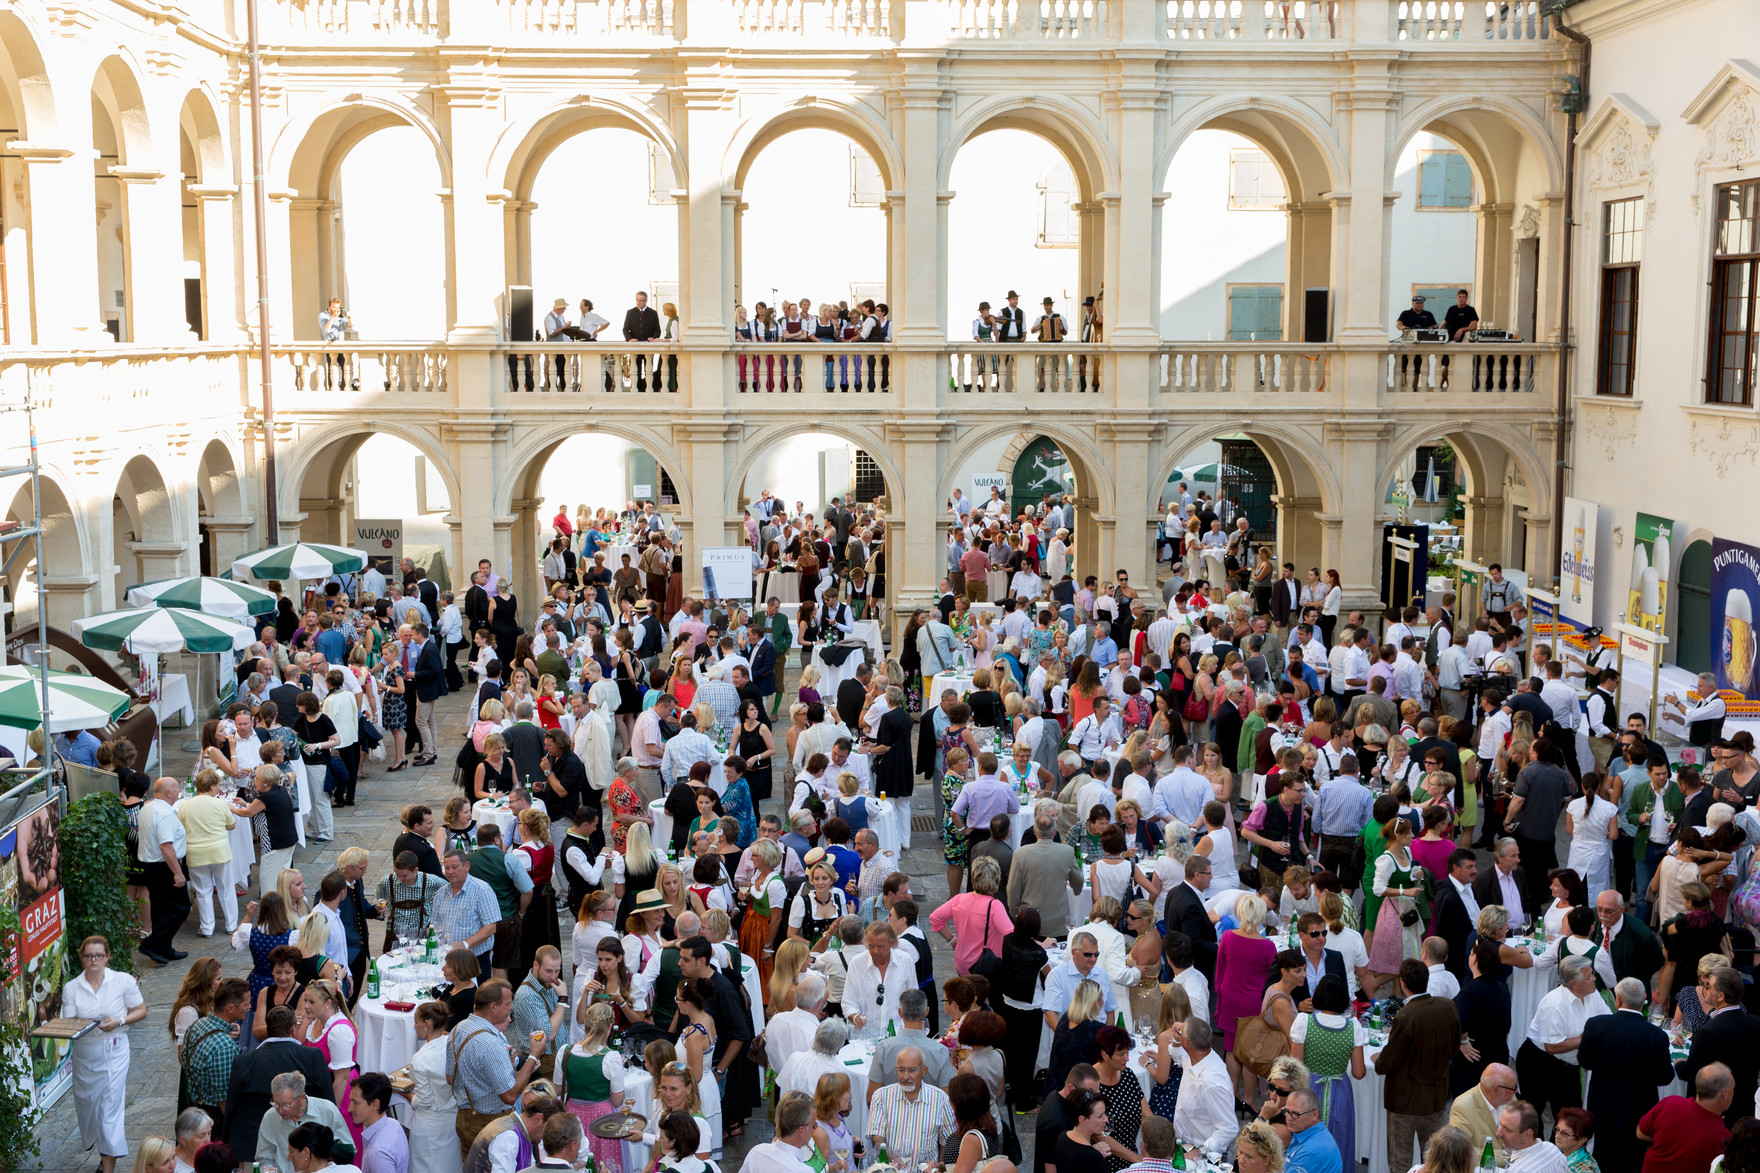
100,1079
323,1045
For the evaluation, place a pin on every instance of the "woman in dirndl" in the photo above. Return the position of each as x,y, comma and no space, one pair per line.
1329,1042
590,1074
1396,885
100,1056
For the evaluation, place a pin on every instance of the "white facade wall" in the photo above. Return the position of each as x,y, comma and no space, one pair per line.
1671,114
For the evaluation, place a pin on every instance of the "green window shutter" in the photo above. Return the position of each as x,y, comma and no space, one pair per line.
1431,179
1457,181
1255,312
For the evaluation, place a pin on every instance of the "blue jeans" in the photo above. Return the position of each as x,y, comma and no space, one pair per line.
1654,854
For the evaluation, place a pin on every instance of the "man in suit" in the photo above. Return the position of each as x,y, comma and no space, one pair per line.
248,1096
476,603
1424,1038
1627,1060
1505,882
1186,914
852,694
1475,1110
1731,1037
1457,909
1317,959
1627,941
429,678
1043,874
1227,726
1286,598
763,660
286,695
641,324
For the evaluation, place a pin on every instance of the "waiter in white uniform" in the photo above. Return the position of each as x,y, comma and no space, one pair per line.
100,1056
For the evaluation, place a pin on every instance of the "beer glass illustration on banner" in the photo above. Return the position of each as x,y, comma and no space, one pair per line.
1738,640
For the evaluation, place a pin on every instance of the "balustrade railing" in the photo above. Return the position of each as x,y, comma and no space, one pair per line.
1469,20
1253,20
1022,367
1013,21
1488,367
357,18
801,368
1238,367
1029,20
629,369
393,368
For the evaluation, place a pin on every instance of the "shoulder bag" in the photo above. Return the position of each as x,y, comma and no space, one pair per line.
1257,1044
988,966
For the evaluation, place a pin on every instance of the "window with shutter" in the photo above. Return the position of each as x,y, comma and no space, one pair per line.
1059,225
1254,183
1255,313
866,189
1445,181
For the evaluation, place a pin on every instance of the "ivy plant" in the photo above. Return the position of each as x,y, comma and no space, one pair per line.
94,869
19,1146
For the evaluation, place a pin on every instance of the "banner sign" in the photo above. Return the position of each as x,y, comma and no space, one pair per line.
1577,566
1735,596
1647,599
1634,646
727,572
382,542
35,845
983,482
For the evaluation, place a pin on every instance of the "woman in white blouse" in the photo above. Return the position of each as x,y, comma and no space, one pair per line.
433,1139
1577,941
100,1056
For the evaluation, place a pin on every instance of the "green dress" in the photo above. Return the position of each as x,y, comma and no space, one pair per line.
1374,845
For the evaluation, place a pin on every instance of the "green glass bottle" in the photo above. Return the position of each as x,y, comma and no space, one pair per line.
1179,1156
1488,1158
891,1028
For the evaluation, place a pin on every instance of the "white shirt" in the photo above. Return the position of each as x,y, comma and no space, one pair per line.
1563,700
1091,736
1182,795
1491,734
1197,991
1442,983
1408,679
1467,898
1356,954
789,1033
1160,637
1540,1157
1356,667
1561,1015
1561,947
1136,789
1205,1112
1478,644
861,986
1093,793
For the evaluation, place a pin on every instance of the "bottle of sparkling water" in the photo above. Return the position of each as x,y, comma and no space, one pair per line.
433,947
373,980
1179,1156
1540,932
891,1028
1488,1158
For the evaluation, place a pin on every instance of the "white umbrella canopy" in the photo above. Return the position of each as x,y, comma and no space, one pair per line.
76,701
215,596
300,560
162,629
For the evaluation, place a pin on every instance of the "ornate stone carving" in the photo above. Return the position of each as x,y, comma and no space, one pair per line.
1725,443
1624,158
1527,225
1731,141
1609,429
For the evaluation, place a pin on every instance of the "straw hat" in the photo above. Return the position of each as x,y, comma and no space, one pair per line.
649,901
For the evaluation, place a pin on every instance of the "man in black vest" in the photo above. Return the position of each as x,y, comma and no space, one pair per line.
1013,320
1704,719
641,324
1277,828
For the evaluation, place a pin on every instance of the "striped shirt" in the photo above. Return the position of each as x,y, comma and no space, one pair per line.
532,1006
913,1132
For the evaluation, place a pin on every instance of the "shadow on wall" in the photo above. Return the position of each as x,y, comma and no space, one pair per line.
1202,314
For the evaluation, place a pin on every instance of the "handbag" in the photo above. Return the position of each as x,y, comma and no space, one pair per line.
988,966
1196,707
1257,1044
369,733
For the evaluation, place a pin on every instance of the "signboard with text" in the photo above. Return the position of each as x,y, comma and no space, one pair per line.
727,572
1578,564
1647,598
381,539
31,854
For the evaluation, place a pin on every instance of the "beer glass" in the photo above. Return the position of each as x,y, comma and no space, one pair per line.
1738,640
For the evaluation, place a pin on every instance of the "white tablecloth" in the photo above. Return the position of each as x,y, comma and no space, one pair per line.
243,843
830,676
385,1039
174,699
662,824
869,631
1526,988
492,810
783,585
960,682
886,828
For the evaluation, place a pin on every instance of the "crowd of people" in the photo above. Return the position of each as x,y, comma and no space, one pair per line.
1201,842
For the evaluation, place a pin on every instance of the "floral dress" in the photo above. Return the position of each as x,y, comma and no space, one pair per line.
956,852
624,801
392,714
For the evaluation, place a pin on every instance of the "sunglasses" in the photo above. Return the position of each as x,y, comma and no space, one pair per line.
1316,934
1279,1091
1088,953
880,994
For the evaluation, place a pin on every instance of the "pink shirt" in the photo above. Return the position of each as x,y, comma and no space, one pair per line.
979,921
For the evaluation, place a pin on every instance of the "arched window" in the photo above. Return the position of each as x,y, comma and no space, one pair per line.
1692,625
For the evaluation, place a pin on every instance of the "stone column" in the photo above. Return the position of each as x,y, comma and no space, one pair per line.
709,446
915,559
152,210
1482,530
229,538
1092,547
63,247
478,445
161,560
1300,538
1132,317
221,273
1493,280
293,267
1130,452
1309,257
1546,325
524,544
916,236
707,275
470,115
1357,444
